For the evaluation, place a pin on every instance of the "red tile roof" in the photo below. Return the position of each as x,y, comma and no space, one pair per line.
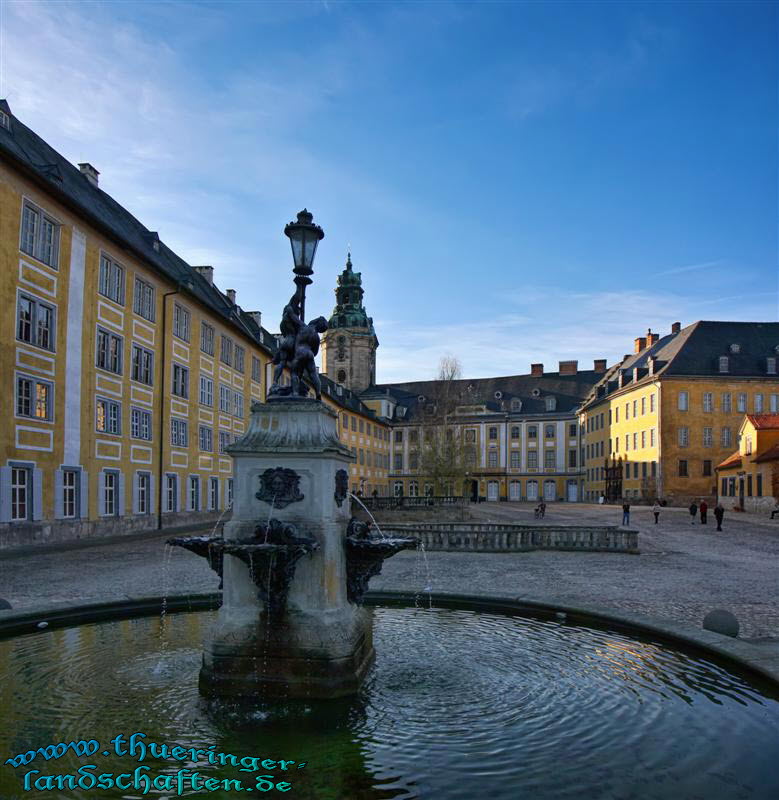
772,454
733,460
764,422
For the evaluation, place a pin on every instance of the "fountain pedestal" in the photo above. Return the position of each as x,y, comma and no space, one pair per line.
315,644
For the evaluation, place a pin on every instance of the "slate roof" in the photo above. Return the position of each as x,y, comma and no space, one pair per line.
56,175
531,390
695,351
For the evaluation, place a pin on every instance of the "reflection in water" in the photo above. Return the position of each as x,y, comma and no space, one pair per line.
459,705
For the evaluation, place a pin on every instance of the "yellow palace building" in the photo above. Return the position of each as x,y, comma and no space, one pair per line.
659,422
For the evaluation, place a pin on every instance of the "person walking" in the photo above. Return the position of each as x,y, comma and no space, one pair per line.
719,513
626,513
703,508
542,509
656,511
693,512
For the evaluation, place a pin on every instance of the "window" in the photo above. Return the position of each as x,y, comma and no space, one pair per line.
684,437
206,391
224,441
238,404
651,437
142,365
627,411
40,237
256,369
774,403
759,488
35,322
140,424
643,405
643,439
239,357
362,426
109,416
723,363
550,403
770,368
748,446
470,435
413,461
758,404
532,459
493,433
635,408
683,401
206,438
111,283
213,494
398,434
726,437
706,468
492,459
171,492
572,459
143,299
144,493
180,381
225,400
109,351
550,460
627,441
708,437
180,322
206,338
70,493
345,421
635,441
515,459
708,401
194,493
682,468
532,432
398,463
362,456
354,428
572,428
226,350
21,494
616,414
179,434
727,403
549,431
110,493
741,401
515,431
651,403
34,398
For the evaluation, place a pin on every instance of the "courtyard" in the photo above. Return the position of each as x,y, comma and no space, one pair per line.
683,571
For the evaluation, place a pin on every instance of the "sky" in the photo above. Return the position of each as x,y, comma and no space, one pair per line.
517,182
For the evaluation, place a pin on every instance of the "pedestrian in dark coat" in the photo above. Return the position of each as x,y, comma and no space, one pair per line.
703,508
626,513
693,512
719,513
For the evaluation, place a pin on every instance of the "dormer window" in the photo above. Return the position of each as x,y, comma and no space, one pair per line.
770,366
735,348
551,403
516,404
5,121
724,362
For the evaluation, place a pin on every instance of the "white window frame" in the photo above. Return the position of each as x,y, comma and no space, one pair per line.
256,369
25,488
71,493
207,338
213,494
171,492
140,424
726,436
239,356
683,437
708,437
206,395
532,459
109,351
143,490
33,241
193,493
111,279
238,404
144,299
741,402
727,402
179,432
179,380
206,438
708,402
225,399
33,400
224,441
226,350
683,401
759,403
181,320
550,459
35,328
112,416
111,492
141,364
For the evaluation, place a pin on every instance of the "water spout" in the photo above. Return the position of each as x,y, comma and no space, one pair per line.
373,519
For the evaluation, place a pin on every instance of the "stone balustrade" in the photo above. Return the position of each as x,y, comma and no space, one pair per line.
508,538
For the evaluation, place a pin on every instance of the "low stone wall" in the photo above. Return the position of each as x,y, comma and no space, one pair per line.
506,538
45,532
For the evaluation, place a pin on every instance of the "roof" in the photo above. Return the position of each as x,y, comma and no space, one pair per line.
764,422
772,454
345,398
57,176
531,390
733,460
696,351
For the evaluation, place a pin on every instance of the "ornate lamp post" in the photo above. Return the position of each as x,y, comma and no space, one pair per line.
304,237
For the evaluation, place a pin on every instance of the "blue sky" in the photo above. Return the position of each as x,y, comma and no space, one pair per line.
518,182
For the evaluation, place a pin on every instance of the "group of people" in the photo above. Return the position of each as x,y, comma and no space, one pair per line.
695,509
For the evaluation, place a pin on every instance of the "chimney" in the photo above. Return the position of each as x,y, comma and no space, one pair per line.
640,344
620,379
230,295
599,365
568,367
207,273
635,374
676,327
651,338
537,370
89,172
652,363
257,317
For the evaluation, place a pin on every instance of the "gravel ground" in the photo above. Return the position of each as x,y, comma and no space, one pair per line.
682,573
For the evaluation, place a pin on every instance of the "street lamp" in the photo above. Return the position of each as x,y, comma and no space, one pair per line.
304,237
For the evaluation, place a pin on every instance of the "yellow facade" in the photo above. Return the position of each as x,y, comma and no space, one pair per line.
83,455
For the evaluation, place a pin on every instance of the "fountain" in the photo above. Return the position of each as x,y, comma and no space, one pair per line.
293,587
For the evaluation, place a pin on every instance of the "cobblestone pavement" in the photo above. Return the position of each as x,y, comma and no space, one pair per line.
683,571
